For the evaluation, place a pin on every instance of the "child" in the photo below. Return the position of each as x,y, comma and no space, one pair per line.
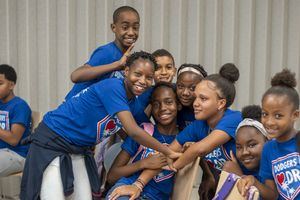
188,76
249,141
15,118
166,69
109,60
279,166
164,110
63,138
213,131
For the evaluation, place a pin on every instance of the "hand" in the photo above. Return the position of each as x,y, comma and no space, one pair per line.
154,161
125,56
233,158
187,145
207,189
125,190
170,159
244,184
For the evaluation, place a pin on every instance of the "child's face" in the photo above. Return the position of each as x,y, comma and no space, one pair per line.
185,87
139,77
126,29
164,106
6,87
207,103
249,145
165,70
278,116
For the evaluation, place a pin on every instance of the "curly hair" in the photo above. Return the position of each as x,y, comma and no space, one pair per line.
141,55
284,83
9,72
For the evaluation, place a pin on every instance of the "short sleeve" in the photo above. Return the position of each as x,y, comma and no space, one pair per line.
265,169
229,122
130,146
113,96
194,132
21,114
97,57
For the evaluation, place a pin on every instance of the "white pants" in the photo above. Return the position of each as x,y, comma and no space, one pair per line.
10,162
52,187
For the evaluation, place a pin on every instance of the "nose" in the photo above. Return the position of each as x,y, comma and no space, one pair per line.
186,92
196,103
245,151
130,31
268,121
163,70
142,80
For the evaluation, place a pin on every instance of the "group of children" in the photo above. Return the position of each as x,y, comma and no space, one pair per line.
114,94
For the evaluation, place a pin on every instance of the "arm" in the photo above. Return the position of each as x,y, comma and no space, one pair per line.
120,168
202,148
267,191
13,136
141,137
136,188
87,72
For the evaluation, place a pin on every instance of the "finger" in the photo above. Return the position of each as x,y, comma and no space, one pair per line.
129,49
113,195
232,157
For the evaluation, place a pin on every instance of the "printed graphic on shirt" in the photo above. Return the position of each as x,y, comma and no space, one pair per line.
164,174
217,158
107,126
286,172
117,74
4,120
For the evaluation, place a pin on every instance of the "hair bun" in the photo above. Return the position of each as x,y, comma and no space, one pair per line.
284,78
252,112
230,72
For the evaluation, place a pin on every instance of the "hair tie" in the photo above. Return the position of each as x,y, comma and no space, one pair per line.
253,123
190,69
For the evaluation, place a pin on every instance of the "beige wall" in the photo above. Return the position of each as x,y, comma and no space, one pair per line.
46,39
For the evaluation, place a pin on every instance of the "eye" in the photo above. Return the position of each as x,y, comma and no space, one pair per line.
158,68
263,114
149,78
238,147
137,74
252,145
192,88
155,105
169,102
278,116
124,28
180,87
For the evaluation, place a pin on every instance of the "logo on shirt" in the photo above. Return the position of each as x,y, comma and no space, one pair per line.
217,158
4,120
107,126
117,74
164,174
286,172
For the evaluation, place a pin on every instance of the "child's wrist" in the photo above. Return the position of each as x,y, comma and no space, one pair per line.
139,184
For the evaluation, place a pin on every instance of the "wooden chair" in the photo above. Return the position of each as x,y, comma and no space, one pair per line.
184,181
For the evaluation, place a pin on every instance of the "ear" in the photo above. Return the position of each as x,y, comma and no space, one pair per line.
113,28
221,104
126,71
11,85
296,114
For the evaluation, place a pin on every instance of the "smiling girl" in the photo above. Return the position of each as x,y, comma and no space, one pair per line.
60,148
279,166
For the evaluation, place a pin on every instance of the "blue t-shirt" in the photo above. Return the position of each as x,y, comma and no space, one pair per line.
199,129
103,55
90,116
185,117
161,186
16,111
280,162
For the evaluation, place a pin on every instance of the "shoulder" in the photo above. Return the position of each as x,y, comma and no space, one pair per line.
110,83
231,117
20,103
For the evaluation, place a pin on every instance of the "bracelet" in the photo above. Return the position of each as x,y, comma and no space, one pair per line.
139,187
140,182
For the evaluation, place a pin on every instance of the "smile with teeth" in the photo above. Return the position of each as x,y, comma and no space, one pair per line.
131,40
139,88
164,116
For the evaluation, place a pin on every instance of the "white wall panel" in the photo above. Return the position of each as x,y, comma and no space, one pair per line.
45,40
